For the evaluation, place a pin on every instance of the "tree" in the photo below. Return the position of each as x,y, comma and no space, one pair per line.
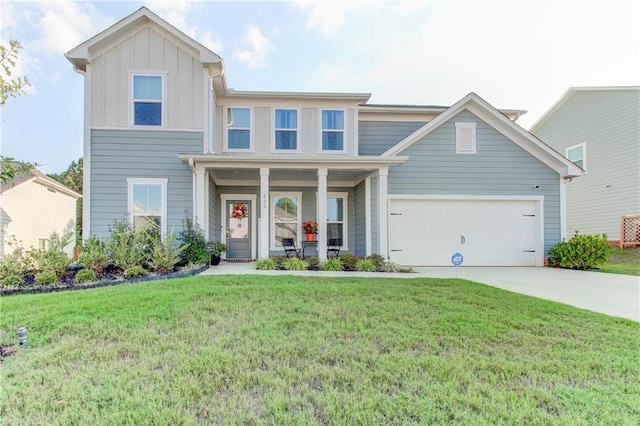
11,87
72,178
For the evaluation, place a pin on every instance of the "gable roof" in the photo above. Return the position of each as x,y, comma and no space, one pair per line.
568,94
499,121
40,178
81,55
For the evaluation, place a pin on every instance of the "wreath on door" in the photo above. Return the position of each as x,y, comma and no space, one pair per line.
240,210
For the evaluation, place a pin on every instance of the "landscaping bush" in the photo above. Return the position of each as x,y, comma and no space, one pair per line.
313,262
135,272
266,264
334,264
126,245
378,262
12,281
580,252
349,261
365,265
54,258
16,263
46,278
94,255
194,244
86,275
294,264
164,255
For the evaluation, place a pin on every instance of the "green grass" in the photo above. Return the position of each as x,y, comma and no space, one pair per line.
625,261
306,350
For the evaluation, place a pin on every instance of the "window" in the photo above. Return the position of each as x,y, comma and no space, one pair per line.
333,130
148,202
238,128
578,155
147,100
285,216
286,129
43,243
337,217
465,138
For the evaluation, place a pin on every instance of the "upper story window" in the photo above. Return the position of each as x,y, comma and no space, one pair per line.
286,129
147,202
465,138
147,100
577,154
333,130
238,129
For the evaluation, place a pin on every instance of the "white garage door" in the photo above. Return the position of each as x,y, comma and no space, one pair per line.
486,232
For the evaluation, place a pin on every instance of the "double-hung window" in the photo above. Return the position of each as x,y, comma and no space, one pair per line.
337,217
147,100
238,129
577,154
286,129
285,217
147,202
332,130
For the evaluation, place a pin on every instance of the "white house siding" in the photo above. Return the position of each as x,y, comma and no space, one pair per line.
30,212
609,122
214,211
119,154
500,168
149,48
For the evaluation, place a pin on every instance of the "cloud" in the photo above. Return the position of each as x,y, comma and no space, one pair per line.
174,12
329,16
259,47
213,44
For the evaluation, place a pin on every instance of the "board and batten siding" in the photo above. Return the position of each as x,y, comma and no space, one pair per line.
375,137
119,154
214,211
499,168
608,121
149,48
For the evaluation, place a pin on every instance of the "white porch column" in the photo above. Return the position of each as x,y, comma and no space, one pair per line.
367,216
265,220
199,214
383,234
322,214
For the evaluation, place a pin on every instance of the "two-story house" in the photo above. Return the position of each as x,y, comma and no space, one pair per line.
165,139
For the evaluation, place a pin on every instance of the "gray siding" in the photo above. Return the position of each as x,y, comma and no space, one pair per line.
608,121
119,154
375,137
500,167
214,211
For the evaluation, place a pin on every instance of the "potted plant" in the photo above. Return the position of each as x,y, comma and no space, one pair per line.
216,249
310,228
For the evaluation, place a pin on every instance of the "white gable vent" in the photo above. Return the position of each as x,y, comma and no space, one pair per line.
465,138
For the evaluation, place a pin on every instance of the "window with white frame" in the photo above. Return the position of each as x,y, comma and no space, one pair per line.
465,138
238,129
337,217
332,130
286,129
43,243
147,202
286,209
577,154
147,100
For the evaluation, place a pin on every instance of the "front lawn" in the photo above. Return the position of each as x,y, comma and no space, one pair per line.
307,350
625,261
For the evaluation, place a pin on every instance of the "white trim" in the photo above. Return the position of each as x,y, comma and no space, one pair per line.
367,216
383,212
272,232
264,213
163,182
563,208
274,129
345,216
86,162
321,212
148,128
464,146
225,136
345,133
223,218
131,74
582,145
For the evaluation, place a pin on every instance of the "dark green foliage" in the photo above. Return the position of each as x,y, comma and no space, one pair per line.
217,248
12,281
378,262
194,242
85,275
46,278
365,265
94,255
266,264
54,258
135,272
164,254
294,264
72,178
313,262
580,252
349,261
126,245
18,262
334,264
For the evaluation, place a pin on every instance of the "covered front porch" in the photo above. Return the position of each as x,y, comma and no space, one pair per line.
253,203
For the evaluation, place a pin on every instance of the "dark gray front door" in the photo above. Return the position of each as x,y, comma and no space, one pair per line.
238,229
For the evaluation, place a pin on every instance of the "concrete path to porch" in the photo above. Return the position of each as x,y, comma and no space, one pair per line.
610,294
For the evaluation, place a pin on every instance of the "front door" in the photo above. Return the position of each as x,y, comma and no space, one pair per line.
238,229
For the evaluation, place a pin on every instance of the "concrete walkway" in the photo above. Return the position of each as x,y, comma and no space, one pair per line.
611,294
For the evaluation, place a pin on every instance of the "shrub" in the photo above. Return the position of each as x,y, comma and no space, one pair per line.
12,281
18,262
85,275
294,264
313,262
194,243
94,255
365,265
46,278
135,272
378,262
392,267
164,255
580,252
349,261
126,245
266,264
334,264
54,257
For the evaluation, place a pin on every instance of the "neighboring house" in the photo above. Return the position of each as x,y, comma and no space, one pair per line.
34,206
598,128
165,139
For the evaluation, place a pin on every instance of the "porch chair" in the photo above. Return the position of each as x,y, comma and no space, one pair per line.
333,247
289,246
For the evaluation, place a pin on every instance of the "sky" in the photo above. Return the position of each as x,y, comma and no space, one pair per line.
518,54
